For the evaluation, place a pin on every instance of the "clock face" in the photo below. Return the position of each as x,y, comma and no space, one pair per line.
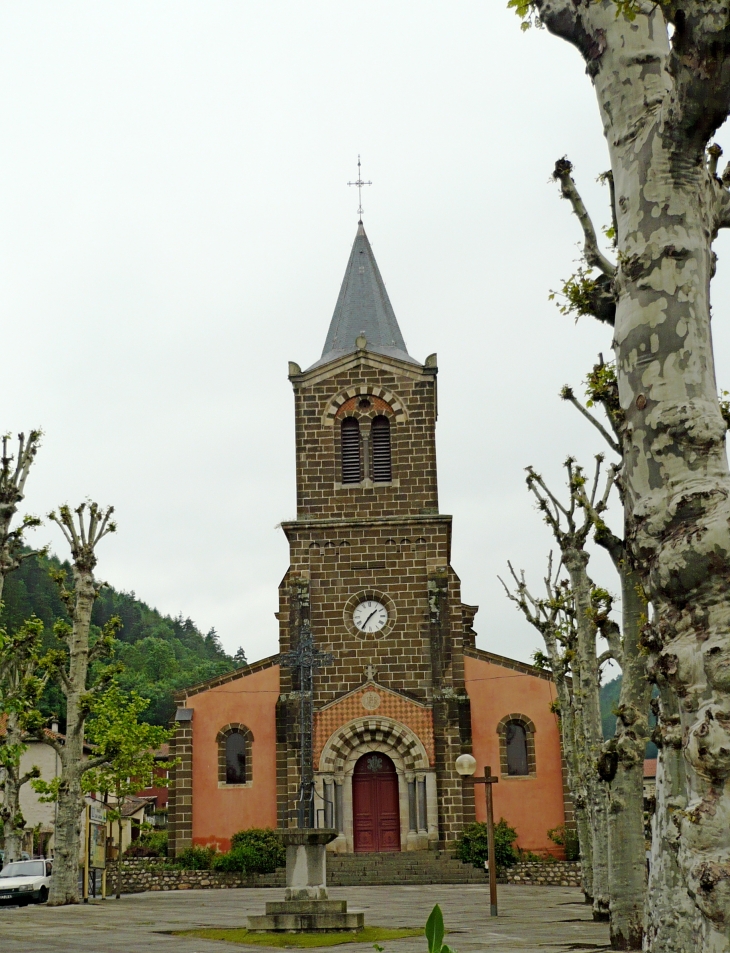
370,616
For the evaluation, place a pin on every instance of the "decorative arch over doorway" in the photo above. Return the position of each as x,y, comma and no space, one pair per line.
416,780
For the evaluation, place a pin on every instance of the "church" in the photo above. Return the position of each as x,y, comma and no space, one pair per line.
400,689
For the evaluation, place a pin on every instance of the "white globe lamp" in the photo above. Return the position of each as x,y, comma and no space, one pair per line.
466,765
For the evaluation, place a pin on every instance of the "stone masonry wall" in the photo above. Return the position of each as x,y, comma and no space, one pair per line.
141,875
349,870
557,874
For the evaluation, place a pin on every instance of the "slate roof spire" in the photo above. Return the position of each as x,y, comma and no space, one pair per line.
363,309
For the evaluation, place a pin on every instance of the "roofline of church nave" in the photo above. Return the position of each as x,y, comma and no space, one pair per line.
271,660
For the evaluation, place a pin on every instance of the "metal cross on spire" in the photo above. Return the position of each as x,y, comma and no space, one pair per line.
359,183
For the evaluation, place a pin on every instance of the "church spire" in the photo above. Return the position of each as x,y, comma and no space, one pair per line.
363,309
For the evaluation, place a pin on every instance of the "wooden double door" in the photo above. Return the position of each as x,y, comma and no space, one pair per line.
375,809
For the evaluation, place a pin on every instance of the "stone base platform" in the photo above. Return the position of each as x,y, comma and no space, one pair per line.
315,916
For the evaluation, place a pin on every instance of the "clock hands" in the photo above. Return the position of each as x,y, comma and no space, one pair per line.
368,618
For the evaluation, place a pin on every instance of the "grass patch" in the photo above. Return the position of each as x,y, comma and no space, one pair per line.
300,941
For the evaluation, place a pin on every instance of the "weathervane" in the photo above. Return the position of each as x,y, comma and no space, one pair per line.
359,185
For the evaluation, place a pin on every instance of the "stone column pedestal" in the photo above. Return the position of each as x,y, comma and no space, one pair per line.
305,906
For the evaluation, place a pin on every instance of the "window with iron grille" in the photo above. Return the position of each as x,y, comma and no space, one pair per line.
351,451
380,437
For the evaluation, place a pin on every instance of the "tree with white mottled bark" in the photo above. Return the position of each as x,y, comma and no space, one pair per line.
661,73
554,618
621,764
83,529
14,472
571,525
20,691
19,652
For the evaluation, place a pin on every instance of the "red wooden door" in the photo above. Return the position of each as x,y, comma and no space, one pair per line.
375,804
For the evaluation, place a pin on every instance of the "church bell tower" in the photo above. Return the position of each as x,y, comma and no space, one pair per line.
370,576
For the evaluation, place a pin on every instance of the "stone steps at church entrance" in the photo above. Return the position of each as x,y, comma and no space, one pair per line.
404,867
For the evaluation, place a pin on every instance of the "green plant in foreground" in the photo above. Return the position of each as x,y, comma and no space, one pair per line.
435,932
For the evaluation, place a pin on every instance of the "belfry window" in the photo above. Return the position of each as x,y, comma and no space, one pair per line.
380,436
351,451
515,737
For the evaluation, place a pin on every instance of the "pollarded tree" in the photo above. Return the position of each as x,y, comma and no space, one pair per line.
83,529
571,651
571,526
21,686
622,762
14,472
20,652
661,73
553,615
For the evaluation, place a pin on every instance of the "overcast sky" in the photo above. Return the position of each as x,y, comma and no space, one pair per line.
174,227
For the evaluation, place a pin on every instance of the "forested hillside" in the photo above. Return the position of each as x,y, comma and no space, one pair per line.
160,654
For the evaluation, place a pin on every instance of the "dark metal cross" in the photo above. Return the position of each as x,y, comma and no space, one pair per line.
306,659
359,183
488,780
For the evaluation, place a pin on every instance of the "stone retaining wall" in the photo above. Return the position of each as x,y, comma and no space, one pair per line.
560,873
143,874
433,867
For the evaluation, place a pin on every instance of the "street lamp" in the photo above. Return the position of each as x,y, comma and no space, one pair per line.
466,766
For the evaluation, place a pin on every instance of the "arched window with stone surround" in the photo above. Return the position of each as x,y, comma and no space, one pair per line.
234,755
517,746
351,451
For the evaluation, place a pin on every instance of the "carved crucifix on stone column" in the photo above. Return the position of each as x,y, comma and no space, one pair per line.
305,659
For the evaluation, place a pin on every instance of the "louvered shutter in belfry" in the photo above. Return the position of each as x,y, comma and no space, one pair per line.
381,450
351,454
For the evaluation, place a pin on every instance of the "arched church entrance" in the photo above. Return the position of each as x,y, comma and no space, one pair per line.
375,810
344,758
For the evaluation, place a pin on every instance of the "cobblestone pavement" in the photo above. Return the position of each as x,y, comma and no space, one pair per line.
531,918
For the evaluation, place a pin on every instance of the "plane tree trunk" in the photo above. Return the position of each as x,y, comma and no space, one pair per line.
570,525
660,103
19,652
83,534
554,619
673,920
10,813
588,709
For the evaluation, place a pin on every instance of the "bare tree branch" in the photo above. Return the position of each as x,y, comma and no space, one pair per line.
591,251
567,394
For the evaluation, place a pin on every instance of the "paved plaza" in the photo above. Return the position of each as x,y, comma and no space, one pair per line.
531,918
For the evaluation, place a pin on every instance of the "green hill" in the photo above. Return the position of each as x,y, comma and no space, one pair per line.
160,654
